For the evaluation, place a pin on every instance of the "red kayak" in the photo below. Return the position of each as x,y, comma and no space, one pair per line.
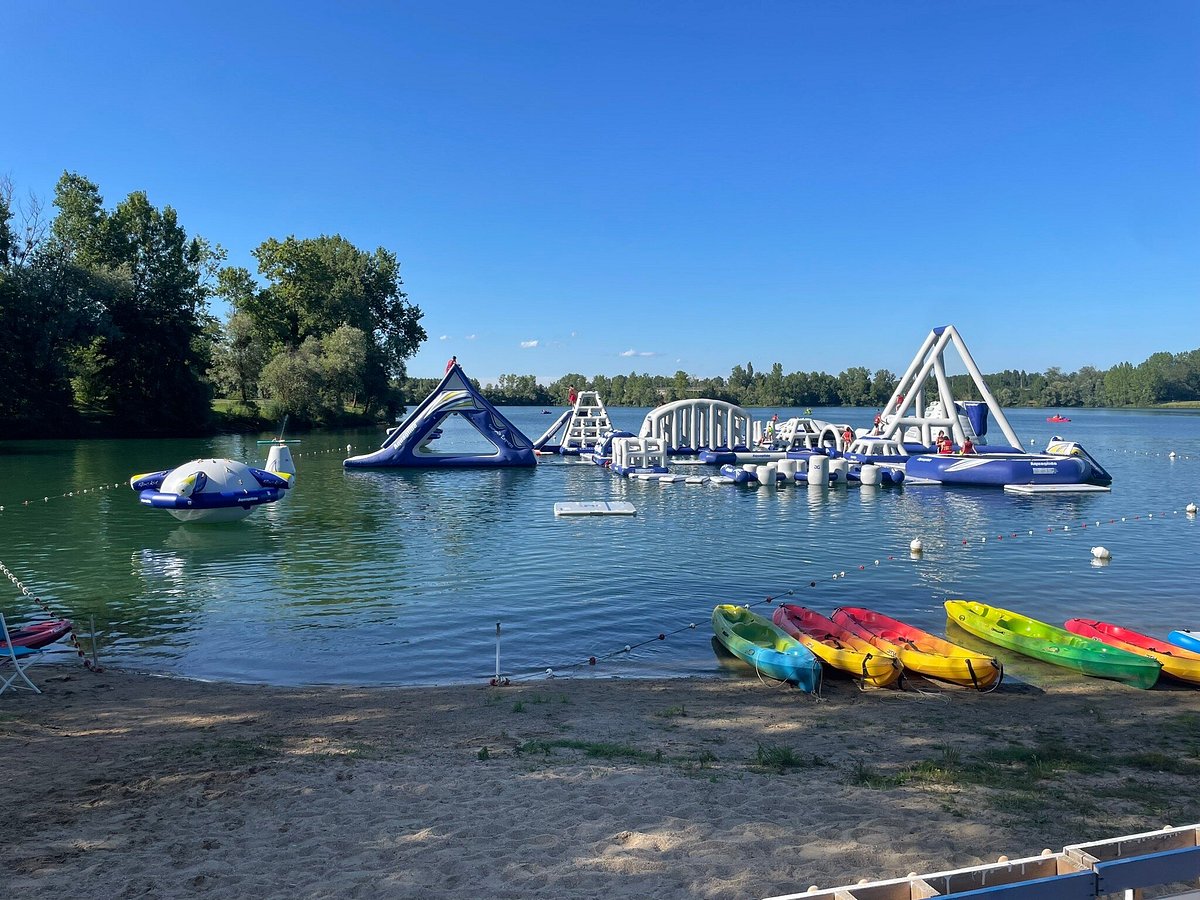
1057,419
1176,662
37,635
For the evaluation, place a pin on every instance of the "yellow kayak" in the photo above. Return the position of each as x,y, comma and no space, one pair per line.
838,647
920,651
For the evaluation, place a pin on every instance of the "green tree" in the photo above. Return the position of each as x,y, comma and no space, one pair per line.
344,358
294,381
149,284
238,358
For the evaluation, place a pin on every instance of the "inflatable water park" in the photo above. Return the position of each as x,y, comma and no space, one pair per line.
922,436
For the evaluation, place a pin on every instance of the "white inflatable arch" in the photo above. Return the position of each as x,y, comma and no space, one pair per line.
700,424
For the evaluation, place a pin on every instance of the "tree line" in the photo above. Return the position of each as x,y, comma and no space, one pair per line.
107,329
1161,379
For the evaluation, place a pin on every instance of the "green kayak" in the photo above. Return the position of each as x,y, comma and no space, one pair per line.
1051,644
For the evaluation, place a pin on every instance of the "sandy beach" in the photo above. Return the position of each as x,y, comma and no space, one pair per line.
130,785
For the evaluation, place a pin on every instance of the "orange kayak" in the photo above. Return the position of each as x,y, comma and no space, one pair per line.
920,651
839,647
1178,663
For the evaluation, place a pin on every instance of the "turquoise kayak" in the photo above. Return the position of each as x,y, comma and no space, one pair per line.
769,649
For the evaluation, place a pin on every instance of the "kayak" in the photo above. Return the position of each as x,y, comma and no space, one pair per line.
756,641
920,651
1176,662
38,634
1051,644
837,646
1188,640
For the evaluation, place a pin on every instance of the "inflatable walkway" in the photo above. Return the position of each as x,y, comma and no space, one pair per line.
412,443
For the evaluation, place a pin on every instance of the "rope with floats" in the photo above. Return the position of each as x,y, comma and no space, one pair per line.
91,665
916,554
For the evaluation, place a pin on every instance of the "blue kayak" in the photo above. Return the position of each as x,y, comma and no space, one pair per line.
1188,640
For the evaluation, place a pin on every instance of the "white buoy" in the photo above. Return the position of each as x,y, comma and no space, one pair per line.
1191,509
818,470
838,469
869,473
1171,455
765,475
1101,553
916,546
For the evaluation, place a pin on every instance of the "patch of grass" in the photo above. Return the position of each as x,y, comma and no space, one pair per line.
1151,761
780,759
703,760
1047,759
228,751
483,754
519,706
591,749
863,775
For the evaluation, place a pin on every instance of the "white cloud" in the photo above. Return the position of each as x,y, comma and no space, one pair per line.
444,337
471,337
526,345
574,334
632,352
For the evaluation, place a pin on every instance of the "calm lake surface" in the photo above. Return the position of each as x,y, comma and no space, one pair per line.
399,577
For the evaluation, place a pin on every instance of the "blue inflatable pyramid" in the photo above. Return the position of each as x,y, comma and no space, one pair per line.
413,443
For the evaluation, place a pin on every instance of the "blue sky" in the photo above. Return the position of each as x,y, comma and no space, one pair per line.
617,187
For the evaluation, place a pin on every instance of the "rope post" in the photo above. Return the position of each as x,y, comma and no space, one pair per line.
95,656
497,653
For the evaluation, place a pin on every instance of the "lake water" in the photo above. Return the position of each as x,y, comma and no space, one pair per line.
399,577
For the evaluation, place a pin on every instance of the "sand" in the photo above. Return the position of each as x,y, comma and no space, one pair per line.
129,785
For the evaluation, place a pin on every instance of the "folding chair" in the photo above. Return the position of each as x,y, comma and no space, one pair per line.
21,658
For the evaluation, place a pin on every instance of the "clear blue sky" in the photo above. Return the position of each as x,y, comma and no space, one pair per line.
616,187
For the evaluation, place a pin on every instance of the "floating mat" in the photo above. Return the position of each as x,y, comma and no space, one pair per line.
1056,488
594,508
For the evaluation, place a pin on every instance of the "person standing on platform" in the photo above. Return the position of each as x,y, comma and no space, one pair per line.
572,396
451,364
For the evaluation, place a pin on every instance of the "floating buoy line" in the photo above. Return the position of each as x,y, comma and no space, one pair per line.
916,554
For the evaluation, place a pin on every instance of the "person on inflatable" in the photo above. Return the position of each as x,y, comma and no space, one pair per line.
848,436
878,429
943,443
967,446
769,437
572,396
453,361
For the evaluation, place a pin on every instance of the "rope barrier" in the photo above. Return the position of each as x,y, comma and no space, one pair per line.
913,556
78,492
52,614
